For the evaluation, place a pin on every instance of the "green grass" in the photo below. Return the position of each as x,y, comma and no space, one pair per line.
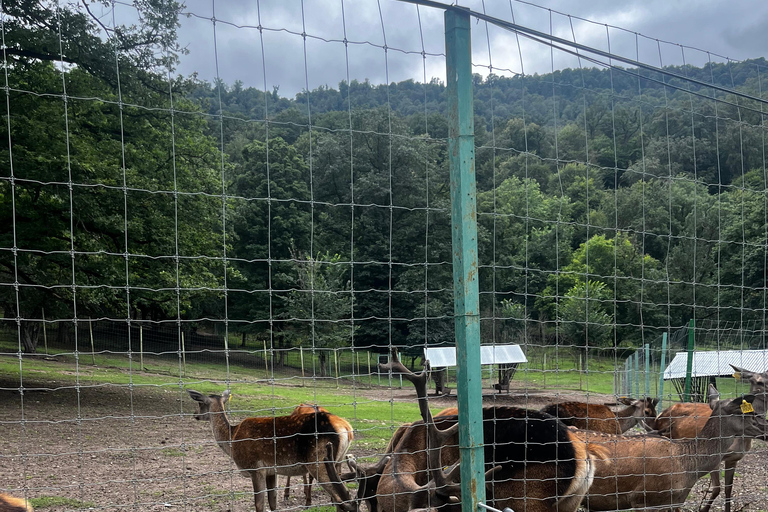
364,403
173,452
58,501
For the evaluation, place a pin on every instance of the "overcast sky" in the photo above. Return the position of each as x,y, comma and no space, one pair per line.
232,47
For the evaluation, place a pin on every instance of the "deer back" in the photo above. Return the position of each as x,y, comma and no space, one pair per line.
283,440
601,418
683,421
523,444
585,416
342,426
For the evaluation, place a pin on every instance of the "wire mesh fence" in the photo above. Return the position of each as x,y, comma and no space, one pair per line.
274,224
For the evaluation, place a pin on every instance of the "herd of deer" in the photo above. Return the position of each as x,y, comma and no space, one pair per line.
560,458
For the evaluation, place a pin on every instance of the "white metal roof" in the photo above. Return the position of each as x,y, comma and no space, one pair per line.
441,357
717,363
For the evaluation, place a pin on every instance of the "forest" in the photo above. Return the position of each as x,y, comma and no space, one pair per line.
612,203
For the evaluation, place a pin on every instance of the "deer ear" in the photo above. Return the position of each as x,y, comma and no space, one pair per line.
226,396
741,374
655,402
196,395
713,395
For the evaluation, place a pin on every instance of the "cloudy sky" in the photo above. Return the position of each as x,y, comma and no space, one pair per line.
658,31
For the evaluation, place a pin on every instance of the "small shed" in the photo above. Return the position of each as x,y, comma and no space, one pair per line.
709,365
506,357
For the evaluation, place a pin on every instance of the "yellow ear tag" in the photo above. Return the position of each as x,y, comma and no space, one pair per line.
746,407
737,375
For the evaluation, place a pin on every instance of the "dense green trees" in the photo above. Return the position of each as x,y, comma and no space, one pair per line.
108,198
606,205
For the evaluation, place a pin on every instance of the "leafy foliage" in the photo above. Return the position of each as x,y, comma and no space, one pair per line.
605,205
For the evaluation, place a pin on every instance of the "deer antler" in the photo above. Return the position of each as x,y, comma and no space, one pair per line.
442,483
348,503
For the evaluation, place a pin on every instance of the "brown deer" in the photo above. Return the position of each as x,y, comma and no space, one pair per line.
686,420
307,477
600,418
10,503
264,447
533,462
649,470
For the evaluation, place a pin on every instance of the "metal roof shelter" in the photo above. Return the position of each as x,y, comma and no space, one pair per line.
711,364
443,357
717,363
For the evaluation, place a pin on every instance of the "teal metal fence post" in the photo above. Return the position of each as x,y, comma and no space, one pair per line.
647,370
689,365
461,154
637,374
661,370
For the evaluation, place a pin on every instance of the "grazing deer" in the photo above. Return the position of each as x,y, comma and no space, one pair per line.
264,447
11,504
685,421
307,477
653,471
600,418
533,462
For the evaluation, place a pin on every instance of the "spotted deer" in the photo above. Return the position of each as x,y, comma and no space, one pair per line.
651,471
264,447
686,420
601,418
307,477
533,462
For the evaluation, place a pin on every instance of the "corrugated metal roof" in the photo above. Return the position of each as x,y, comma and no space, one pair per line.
441,357
717,363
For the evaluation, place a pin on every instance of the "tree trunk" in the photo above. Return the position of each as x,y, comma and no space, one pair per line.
63,335
439,377
323,361
30,334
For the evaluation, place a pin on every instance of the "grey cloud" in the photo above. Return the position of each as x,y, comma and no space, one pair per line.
717,26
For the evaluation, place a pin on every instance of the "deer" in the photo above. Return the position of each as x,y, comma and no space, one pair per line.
10,503
650,470
264,447
601,418
533,462
686,420
307,477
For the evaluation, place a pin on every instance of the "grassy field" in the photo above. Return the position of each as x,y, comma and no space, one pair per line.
367,400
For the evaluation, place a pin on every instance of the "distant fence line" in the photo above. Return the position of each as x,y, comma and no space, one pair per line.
640,374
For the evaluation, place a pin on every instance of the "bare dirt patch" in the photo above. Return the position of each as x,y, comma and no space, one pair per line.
114,448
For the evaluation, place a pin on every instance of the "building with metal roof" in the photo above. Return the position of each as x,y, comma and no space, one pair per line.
506,357
717,363
709,365
444,357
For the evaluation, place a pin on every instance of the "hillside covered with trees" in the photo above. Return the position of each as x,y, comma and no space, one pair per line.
609,201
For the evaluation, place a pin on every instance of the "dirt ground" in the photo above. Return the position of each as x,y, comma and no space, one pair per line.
140,450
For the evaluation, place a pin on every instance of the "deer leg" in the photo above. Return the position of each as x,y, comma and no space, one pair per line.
730,471
308,489
271,480
287,488
259,487
714,483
